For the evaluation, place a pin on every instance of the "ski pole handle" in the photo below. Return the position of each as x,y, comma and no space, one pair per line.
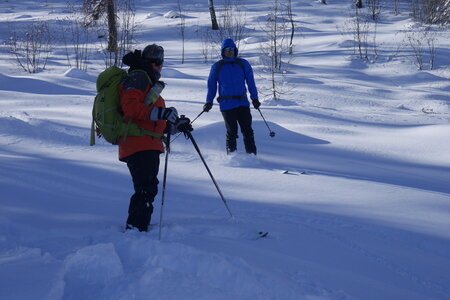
189,123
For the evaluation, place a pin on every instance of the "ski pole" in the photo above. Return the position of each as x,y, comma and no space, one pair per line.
164,183
197,117
189,123
271,133
189,135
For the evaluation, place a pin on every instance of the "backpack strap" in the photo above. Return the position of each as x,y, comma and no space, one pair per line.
241,64
155,135
92,142
219,66
221,62
144,131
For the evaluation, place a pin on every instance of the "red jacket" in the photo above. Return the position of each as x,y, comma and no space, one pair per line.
132,94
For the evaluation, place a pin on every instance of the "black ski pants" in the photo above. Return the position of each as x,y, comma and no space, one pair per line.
144,167
242,116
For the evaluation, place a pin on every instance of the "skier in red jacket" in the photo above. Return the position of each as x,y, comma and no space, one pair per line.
141,153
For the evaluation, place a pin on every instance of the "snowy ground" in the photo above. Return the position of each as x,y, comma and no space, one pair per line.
362,213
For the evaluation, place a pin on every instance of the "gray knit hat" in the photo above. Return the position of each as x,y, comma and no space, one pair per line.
154,54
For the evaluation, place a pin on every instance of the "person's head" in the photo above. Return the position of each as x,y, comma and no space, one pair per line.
229,49
154,55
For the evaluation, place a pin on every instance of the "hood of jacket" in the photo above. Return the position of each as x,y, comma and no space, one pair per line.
229,43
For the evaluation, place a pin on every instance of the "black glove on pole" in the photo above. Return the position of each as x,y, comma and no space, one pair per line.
189,135
256,103
189,123
207,107
164,183
271,133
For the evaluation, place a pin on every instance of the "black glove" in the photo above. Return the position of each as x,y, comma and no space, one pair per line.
183,124
158,113
256,103
207,107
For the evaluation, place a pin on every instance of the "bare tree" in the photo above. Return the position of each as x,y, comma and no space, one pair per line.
396,7
359,4
205,44
120,31
31,47
431,43
291,21
431,11
416,43
212,11
360,31
112,26
76,39
422,40
374,7
126,26
232,22
94,10
182,28
275,49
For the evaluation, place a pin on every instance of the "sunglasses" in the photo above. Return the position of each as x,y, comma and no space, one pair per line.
229,49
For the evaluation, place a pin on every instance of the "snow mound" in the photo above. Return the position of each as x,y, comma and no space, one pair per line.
347,44
253,40
91,267
93,264
171,15
152,15
402,106
23,17
44,131
76,73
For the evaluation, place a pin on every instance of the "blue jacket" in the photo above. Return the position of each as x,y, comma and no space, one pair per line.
231,78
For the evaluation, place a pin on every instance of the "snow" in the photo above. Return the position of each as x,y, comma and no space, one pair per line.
363,211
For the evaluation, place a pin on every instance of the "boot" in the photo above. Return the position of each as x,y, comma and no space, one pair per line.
231,145
249,142
140,211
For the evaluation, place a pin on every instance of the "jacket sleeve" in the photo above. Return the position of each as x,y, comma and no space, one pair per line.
135,88
212,84
249,78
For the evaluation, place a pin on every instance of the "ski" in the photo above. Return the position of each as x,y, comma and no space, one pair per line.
293,173
262,234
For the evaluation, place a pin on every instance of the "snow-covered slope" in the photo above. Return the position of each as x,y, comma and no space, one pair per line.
353,189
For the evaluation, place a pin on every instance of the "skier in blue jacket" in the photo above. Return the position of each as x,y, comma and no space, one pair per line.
231,73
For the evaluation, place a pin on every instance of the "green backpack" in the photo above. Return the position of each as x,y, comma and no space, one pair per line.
107,116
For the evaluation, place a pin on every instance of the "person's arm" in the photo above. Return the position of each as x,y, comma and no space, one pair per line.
212,84
250,79
134,89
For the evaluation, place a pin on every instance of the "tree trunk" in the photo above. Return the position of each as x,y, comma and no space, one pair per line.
359,4
112,26
291,19
212,11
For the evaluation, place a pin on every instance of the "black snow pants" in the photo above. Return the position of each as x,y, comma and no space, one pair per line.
242,116
144,167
